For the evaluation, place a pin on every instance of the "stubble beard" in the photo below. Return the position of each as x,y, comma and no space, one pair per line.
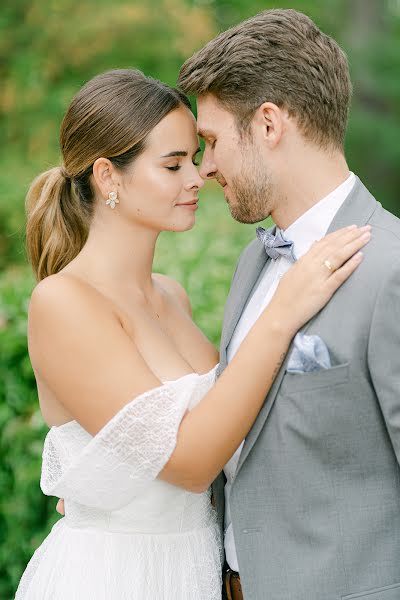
253,190
253,198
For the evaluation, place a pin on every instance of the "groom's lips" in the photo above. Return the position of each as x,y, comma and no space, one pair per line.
222,183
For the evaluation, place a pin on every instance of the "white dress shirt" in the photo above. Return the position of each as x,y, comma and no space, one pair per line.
308,228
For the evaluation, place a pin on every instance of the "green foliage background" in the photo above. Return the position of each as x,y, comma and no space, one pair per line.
48,49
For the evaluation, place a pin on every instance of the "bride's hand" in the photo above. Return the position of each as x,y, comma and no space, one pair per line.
60,507
311,282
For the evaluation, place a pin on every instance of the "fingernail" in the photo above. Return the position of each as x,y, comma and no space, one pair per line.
358,256
366,228
366,235
352,227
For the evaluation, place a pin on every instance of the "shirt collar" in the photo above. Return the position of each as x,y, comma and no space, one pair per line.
313,224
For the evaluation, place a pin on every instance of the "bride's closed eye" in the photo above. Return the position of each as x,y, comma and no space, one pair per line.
177,167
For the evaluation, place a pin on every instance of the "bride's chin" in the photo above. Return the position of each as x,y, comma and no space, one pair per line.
182,227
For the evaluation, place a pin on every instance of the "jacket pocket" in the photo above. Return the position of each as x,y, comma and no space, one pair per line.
298,382
389,592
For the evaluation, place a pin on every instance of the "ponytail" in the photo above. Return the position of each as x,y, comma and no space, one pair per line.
57,226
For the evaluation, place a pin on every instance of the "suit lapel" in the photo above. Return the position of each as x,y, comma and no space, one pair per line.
356,209
240,293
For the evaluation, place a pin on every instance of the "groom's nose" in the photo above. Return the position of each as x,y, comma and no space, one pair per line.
208,168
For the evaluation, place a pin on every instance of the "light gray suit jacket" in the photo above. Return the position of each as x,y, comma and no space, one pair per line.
315,502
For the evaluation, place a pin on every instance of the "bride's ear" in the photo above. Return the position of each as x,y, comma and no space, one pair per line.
105,176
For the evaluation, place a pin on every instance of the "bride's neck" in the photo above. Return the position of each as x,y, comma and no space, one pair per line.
119,254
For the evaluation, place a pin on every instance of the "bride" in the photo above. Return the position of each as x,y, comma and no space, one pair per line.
139,428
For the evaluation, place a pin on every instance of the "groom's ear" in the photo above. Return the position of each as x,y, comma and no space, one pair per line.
269,121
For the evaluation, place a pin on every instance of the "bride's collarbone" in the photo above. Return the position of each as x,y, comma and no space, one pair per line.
148,322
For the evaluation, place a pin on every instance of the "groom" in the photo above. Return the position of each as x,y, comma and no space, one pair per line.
311,503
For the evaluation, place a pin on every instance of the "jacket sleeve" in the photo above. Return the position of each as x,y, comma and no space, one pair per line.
384,354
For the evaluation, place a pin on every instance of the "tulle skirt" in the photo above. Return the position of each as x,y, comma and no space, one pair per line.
84,564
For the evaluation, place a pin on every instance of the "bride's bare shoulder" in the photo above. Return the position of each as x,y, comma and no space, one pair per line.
65,292
80,350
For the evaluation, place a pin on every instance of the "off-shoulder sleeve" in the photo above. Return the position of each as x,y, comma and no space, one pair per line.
129,452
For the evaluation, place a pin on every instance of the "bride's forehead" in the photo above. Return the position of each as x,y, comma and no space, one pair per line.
178,128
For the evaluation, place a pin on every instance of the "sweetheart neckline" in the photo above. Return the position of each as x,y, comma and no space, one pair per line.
74,421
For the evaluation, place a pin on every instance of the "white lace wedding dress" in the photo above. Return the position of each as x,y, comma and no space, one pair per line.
126,535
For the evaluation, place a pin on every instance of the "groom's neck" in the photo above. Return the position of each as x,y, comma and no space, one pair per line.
304,180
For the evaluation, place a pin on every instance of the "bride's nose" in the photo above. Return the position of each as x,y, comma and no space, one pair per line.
195,183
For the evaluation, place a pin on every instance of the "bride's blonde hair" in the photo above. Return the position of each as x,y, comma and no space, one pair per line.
111,117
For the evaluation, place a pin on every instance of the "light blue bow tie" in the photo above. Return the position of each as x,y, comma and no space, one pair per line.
276,245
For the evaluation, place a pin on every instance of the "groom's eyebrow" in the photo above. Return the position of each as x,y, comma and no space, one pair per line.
205,133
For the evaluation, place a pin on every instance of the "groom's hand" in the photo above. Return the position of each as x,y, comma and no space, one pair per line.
60,507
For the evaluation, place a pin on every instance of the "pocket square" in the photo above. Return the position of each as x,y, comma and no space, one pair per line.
309,354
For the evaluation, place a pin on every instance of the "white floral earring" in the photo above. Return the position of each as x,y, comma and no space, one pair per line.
112,199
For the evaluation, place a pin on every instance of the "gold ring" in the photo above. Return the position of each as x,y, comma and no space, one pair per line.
328,265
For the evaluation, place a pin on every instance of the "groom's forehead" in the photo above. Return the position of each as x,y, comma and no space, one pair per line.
208,106
210,116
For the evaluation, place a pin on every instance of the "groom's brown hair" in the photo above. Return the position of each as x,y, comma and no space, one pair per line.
282,57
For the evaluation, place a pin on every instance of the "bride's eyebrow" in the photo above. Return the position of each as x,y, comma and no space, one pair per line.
175,153
179,153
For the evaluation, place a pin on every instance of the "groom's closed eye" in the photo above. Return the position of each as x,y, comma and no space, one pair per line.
210,142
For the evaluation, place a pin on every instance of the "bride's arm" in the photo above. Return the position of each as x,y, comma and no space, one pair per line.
79,348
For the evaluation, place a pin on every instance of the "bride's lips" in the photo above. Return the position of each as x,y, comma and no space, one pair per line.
192,204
